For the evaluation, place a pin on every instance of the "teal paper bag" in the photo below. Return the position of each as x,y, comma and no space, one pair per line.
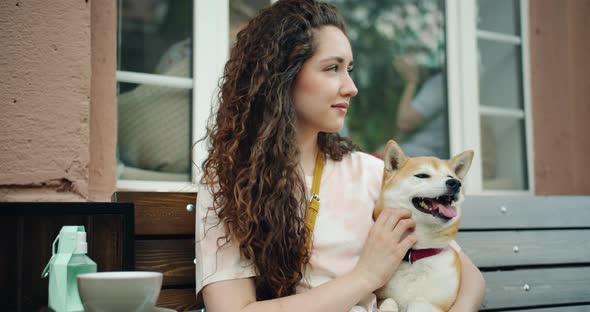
63,289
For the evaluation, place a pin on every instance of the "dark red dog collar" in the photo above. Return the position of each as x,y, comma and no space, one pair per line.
414,255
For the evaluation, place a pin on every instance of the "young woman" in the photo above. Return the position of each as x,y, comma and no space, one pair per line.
285,92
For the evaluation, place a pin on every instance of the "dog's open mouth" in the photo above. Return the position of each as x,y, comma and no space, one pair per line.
440,207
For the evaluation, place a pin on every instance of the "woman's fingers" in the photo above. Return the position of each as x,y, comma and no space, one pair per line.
408,241
402,227
390,217
388,241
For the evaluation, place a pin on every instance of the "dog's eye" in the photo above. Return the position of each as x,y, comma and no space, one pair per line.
422,176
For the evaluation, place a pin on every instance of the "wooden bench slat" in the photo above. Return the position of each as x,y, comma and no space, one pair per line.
174,258
581,308
161,213
505,289
179,299
523,211
495,248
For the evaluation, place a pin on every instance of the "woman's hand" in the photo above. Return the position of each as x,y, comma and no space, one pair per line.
389,239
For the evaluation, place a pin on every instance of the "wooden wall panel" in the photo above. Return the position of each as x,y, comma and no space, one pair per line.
560,93
174,258
179,299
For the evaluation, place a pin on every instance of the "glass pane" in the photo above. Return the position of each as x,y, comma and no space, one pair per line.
154,133
399,57
500,74
503,153
155,36
240,12
154,123
501,16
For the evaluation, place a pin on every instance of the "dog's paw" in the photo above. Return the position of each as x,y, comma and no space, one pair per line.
388,305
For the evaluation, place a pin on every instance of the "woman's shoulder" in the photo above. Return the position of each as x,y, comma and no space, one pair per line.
364,160
360,163
360,172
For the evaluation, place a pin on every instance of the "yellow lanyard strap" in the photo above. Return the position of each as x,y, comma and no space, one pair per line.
314,203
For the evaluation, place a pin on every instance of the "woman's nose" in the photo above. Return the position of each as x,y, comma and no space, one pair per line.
348,88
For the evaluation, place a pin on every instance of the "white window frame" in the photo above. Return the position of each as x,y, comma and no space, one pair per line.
211,52
463,89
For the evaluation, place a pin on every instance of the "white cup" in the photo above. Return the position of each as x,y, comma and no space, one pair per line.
130,291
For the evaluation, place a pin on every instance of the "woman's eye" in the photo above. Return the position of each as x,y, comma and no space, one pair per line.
350,69
422,176
333,68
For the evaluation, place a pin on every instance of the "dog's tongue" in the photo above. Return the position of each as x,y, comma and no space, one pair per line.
447,211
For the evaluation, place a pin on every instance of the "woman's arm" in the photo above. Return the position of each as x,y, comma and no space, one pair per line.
408,118
472,288
387,243
240,295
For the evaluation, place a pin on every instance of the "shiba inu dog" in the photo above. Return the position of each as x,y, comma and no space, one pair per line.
429,277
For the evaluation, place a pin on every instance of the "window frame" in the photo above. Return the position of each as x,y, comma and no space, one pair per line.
211,51
207,68
463,90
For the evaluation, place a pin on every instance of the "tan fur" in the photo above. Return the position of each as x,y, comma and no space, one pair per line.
451,233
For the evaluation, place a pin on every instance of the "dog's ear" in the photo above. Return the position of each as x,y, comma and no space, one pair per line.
394,157
460,163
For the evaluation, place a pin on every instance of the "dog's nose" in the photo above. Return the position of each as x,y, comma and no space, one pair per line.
453,184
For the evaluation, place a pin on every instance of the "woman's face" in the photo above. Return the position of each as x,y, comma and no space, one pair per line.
323,87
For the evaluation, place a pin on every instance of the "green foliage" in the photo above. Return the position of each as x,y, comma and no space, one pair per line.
377,35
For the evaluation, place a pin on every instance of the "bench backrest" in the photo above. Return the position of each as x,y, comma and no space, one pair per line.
534,251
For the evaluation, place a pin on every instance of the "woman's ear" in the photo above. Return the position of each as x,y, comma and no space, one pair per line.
394,157
461,163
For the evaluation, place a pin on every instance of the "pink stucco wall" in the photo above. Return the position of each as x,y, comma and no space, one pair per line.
58,102
103,96
45,103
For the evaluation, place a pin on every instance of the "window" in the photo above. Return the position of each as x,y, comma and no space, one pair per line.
155,57
489,92
503,102
400,71
169,63
438,76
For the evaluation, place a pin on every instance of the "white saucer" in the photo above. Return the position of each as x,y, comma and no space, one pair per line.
158,309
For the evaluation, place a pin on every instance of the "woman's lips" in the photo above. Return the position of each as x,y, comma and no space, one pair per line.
342,107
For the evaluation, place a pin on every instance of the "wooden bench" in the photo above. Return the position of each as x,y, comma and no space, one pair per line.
534,251
165,242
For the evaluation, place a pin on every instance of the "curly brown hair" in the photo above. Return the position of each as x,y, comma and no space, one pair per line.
253,162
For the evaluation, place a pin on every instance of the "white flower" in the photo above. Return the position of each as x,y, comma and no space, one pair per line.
414,24
429,6
360,13
411,9
428,39
385,28
396,18
430,19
